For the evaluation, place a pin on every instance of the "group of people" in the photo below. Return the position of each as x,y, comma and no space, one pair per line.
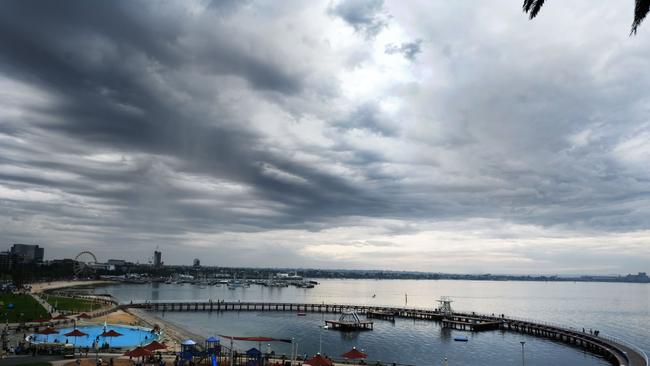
591,331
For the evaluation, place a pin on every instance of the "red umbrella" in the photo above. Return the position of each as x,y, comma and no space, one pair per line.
354,354
75,333
47,331
83,316
318,360
138,352
110,333
154,346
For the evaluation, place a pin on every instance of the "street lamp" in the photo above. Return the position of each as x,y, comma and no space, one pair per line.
320,339
523,359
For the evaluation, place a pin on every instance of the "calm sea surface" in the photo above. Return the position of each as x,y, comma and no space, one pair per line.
621,310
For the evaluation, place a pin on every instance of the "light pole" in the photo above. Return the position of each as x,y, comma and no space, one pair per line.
523,358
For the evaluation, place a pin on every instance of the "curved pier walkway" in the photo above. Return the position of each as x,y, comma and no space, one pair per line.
618,352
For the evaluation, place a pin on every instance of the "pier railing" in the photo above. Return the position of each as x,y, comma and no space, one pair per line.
574,328
619,349
627,344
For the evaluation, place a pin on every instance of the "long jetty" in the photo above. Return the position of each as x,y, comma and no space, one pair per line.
618,352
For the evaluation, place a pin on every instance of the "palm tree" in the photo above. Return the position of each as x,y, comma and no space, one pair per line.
641,8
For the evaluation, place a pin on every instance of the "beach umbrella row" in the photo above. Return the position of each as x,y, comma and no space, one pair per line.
319,360
60,317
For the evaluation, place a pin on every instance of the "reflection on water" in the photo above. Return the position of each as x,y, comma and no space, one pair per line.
404,341
619,309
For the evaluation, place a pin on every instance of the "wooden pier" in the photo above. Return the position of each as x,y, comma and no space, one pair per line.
470,323
618,352
349,326
349,321
384,315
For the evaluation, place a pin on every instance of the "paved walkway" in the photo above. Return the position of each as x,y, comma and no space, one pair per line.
46,305
20,360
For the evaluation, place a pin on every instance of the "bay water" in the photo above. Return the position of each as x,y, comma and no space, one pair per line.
615,309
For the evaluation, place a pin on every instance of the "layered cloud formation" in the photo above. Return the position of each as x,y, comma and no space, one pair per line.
439,136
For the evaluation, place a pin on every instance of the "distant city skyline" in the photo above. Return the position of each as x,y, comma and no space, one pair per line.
433,136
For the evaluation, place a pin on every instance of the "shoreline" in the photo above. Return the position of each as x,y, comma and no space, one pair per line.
39,287
172,334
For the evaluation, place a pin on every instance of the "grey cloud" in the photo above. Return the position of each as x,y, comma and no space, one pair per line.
202,119
368,116
93,94
409,50
365,16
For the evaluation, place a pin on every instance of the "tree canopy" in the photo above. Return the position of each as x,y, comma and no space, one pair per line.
641,8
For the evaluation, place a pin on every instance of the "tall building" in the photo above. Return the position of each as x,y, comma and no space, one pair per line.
6,261
27,253
157,259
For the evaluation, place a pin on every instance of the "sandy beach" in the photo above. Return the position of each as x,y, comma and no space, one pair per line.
172,334
43,286
117,317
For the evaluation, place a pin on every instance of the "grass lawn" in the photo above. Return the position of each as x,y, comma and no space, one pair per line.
71,304
23,304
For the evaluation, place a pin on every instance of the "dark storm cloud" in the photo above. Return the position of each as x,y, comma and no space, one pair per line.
106,99
244,125
365,16
409,50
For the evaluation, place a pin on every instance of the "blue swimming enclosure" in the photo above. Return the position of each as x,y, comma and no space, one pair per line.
131,336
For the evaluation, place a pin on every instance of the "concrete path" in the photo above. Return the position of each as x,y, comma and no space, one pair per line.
20,360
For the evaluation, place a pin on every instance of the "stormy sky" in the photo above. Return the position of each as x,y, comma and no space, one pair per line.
452,136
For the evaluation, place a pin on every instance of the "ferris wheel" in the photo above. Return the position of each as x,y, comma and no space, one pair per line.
83,263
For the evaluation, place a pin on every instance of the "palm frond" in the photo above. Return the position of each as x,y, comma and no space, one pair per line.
641,9
532,7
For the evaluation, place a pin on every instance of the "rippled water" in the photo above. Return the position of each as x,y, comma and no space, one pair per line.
621,310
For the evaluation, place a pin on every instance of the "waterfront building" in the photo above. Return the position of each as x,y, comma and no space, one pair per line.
157,259
102,266
27,253
6,261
